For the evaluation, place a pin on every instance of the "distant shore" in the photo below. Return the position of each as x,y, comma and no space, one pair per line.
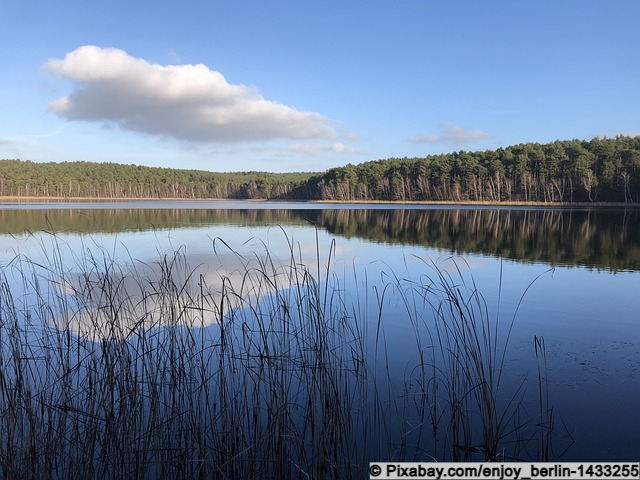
480,203
487,203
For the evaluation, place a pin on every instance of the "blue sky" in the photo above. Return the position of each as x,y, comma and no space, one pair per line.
306,86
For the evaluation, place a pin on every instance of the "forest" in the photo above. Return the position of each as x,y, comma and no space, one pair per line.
597,170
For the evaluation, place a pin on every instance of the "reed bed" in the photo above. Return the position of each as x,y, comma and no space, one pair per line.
117,368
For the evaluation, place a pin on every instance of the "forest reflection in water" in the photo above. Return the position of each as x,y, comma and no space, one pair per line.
595,238
587,316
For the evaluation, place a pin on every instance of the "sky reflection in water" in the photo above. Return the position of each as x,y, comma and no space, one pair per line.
587,316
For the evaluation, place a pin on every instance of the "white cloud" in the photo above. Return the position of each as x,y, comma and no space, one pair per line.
453,135
314,149
186,102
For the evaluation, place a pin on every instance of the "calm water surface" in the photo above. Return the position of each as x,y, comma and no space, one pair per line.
571,276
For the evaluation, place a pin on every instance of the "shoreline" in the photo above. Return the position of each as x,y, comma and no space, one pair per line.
482,203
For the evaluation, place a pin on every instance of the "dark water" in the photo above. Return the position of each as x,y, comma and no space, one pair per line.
570,276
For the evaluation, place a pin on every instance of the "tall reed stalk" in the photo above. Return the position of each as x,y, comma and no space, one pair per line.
116,368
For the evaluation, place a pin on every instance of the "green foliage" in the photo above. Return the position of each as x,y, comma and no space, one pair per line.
602,169
605,170
111,180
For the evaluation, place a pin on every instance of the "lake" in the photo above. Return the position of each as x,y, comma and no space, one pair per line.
427,332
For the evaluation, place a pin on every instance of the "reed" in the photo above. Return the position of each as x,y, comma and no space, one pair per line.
117,368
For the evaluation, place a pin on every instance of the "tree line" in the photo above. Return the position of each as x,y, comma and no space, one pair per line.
605,170
598,170
112,180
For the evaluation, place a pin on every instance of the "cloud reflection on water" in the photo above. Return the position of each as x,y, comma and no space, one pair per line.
99,292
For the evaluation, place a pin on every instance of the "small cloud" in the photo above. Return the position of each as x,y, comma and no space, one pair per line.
185,102
314,149
453,135
342,148
30,138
